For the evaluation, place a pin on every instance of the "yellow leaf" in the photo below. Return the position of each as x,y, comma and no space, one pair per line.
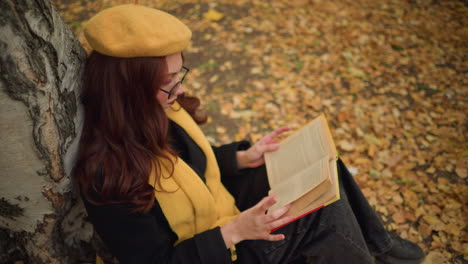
371,150
434,222
453,229
356,72
242,113
256,70
221,129
213,15
397,199
218,90
372,139
213,79
452,205
361,160
430,219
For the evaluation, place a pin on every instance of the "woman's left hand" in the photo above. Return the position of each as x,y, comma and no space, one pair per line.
254,156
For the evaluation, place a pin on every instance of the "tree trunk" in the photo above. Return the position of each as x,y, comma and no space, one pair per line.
41,66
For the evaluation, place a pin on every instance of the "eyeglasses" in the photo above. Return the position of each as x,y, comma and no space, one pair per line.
181,76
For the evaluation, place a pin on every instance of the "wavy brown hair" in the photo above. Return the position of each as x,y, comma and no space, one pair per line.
125,130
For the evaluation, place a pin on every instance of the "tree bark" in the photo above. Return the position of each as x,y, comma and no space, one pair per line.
41,63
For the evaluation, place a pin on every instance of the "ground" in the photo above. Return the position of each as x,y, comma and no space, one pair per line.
389,75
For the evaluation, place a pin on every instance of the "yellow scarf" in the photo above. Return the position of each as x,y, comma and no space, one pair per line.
190,205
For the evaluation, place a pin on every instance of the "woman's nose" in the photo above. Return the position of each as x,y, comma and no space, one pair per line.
180,89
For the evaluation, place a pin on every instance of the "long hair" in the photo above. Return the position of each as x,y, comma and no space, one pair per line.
191,104
124,132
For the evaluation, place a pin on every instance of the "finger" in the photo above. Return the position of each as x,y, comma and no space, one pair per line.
275,133
266,203
272,141
282,130
272,147
280,222
275,237
279,212
257,163
268,147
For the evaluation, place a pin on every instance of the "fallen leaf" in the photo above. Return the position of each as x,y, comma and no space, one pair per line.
371,151
451,204
356,72
392,160
453,229
374,173
461,172
434,222
435,257
411,199
242,113
221,129
399,217
372,139
213,79
425,229
458,246
218,90
397,199
213,15
346,145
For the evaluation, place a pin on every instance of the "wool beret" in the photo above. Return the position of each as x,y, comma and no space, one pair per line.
136,31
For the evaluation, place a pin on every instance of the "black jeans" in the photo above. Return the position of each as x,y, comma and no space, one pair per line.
347,231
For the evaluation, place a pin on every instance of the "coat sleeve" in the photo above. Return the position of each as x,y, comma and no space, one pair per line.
227,160
148,238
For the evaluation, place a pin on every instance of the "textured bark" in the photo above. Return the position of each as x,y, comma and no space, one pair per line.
41,65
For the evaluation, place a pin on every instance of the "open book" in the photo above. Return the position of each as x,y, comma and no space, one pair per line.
303,170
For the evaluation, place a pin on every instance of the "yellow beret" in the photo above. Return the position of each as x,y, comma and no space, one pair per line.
136,31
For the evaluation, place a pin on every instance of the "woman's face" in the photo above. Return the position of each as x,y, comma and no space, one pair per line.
174,66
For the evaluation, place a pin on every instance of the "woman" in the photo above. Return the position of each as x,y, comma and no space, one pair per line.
155,189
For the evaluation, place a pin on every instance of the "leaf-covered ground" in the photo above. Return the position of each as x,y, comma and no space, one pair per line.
390,76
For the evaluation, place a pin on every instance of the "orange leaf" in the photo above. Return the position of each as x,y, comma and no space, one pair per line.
399,217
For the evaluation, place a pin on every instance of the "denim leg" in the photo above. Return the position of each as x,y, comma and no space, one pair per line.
377,238
329,235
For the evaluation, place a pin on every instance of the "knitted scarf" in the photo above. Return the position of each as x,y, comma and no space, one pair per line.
190,205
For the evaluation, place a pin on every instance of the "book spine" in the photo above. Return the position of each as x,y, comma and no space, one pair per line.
311,211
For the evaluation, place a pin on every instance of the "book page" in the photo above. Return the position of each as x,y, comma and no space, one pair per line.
297,152
299,184
326,140
332,194
304,203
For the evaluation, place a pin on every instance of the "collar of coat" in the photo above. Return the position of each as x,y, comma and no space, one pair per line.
190,205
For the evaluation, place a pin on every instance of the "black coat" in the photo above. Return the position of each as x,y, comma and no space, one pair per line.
148,238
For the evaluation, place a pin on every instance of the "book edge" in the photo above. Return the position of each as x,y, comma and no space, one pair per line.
318,208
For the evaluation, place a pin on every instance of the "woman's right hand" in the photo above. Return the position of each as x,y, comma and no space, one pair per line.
255,224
